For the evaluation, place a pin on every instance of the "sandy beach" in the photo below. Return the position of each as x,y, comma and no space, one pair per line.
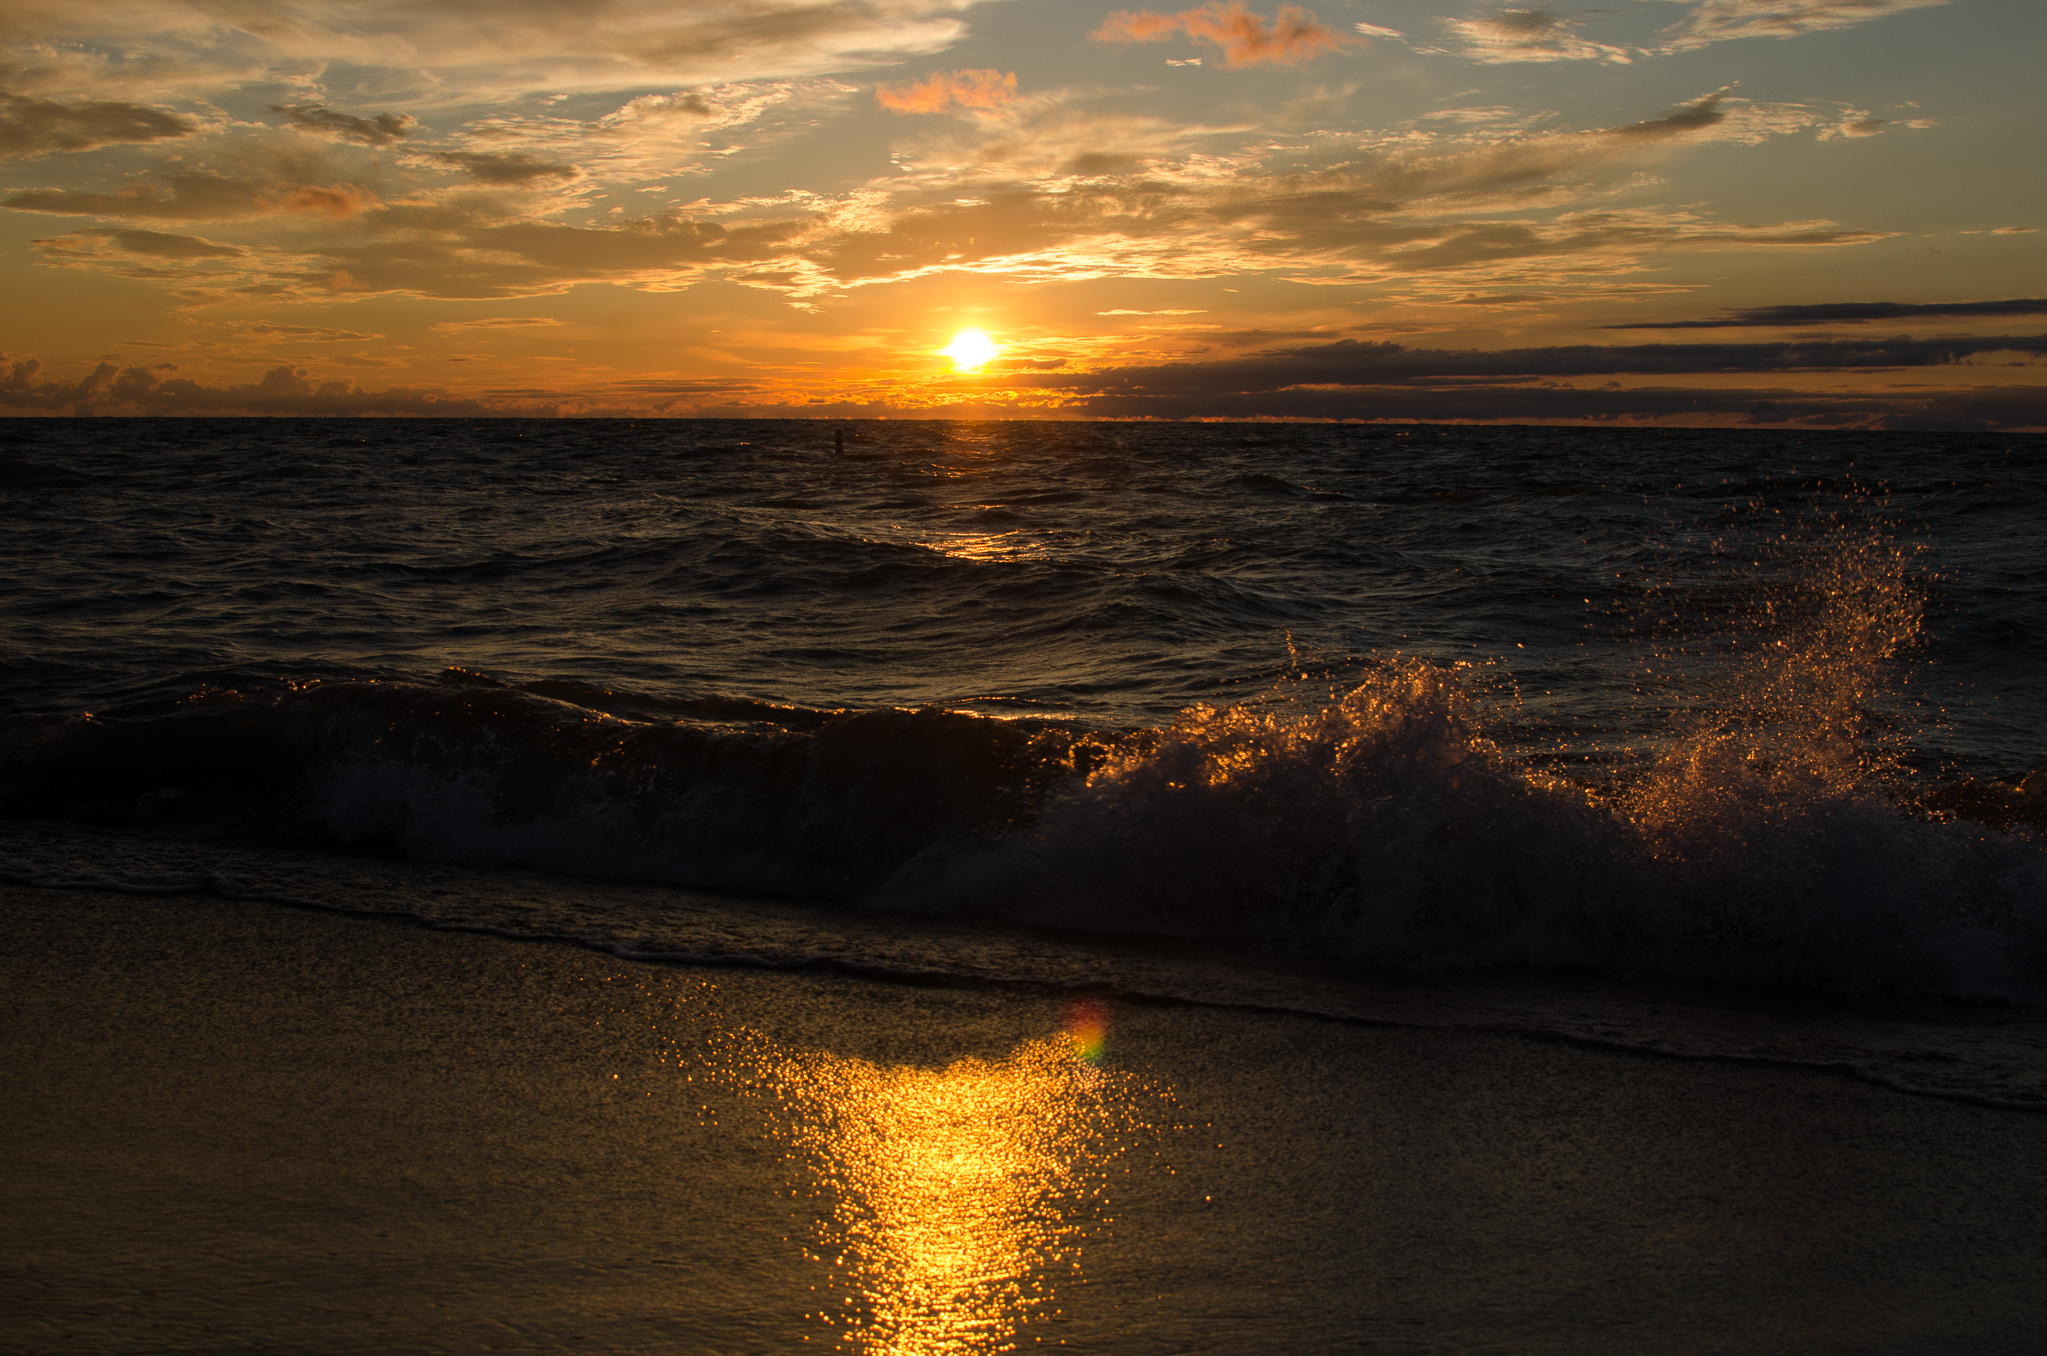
236,1127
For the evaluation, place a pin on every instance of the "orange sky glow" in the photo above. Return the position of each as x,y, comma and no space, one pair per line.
1699,212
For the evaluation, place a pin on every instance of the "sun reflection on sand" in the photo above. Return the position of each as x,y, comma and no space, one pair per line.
957,1198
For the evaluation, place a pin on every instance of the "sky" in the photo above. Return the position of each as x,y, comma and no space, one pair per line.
1821,213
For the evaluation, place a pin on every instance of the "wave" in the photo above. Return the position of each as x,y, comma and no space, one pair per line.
745,797
1774,836
1384,829
1373,826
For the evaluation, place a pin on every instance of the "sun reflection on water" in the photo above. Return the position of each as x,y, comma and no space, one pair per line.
956,1199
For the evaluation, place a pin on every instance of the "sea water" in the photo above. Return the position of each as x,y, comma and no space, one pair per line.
1274,715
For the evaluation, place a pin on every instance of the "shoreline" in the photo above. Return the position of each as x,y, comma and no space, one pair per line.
240,1125
1988,1053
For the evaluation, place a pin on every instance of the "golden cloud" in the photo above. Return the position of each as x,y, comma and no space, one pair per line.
1291,36
949,90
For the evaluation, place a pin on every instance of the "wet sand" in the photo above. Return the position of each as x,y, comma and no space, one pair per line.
237,1127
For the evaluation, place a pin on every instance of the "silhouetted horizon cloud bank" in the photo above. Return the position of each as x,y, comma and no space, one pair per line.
1847,312
1348,381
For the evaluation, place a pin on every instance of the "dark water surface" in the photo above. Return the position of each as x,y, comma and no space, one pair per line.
1748,706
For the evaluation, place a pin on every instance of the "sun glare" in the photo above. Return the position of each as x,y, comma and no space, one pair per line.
970,350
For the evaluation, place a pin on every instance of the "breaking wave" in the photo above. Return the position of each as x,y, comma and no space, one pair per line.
1379,827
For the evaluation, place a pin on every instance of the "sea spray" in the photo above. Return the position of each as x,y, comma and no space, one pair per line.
1763,841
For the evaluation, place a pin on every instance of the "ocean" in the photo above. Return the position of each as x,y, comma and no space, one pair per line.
1199,711
991,817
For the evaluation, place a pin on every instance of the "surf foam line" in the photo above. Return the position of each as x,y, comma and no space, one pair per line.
1385,828
1102,983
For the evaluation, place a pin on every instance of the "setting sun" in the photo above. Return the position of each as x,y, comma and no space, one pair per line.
970,350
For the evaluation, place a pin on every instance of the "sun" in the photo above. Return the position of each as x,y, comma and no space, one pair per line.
970,350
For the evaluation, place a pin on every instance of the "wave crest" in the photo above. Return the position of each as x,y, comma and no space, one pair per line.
1385,828
1380,825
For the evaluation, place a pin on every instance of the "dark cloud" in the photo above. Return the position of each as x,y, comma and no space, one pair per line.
1989,409
284,390
30,128
1349,379
505,167
197,195
307,333
1691,118
1839,312
379,130
466,260
651,243
155,244
1350,362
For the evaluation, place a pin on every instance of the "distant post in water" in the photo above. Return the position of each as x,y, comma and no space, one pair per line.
838,440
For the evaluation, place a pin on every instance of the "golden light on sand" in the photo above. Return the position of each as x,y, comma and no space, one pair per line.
970,350
958,1199
952,1192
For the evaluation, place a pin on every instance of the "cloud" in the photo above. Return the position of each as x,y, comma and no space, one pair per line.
497,322
442,254
977,89
306,333
462,53
198,195
505,167
1712,21
649,141
637,113
1049,192
1843,312
1052,194
379,130
156,244
1401,212
159,257
1071,197
1707,112
1990,409
1529,35
1349,379
1291,36
1350,362
283,390
32,128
